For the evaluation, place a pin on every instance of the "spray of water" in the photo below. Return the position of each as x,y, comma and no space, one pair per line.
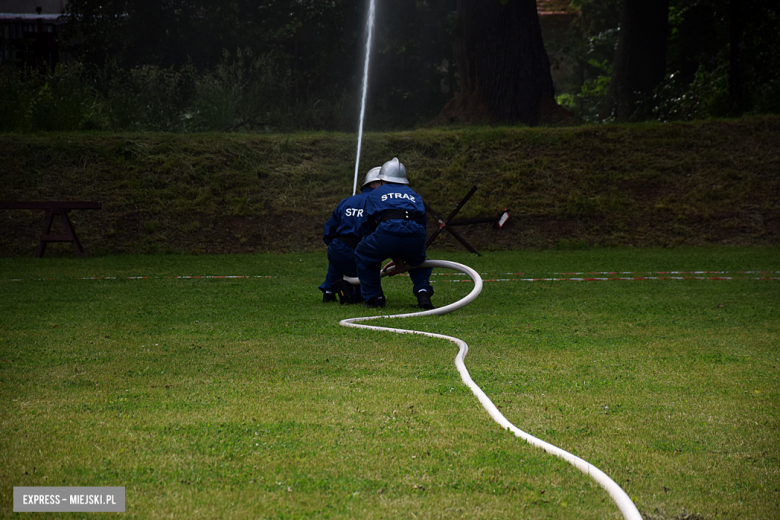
370,25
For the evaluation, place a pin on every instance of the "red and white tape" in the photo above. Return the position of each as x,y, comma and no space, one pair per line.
556,277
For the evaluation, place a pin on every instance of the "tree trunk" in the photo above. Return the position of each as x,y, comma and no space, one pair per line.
640,57
503,68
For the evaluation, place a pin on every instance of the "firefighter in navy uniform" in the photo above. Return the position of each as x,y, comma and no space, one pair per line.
342,234
394,228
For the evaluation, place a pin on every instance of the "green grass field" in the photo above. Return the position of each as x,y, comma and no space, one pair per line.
244,398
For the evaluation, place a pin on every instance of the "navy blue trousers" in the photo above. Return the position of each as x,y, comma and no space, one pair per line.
377,247
341,261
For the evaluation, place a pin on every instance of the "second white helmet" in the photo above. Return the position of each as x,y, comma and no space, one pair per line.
393,171
371,176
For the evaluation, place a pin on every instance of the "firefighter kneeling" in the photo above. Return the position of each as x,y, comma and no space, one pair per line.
394,228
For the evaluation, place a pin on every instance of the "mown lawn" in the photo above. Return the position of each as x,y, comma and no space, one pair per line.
243,398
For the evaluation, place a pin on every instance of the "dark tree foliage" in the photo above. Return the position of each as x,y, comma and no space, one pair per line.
322,43
730,49
721,60
174,32
193,65
312,36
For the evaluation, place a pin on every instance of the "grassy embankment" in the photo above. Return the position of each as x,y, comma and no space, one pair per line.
654,185
243,398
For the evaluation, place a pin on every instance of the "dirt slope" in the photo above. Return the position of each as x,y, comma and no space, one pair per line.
713,182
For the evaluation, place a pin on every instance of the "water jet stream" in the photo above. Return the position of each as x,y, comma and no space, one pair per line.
370,25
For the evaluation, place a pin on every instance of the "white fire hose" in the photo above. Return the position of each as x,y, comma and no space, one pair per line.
621,499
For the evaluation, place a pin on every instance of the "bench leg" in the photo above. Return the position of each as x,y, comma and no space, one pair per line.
69,236
77,247
46,229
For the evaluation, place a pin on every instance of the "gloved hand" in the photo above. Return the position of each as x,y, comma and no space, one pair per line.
395,267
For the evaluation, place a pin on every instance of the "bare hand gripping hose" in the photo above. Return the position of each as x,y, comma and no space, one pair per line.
621,499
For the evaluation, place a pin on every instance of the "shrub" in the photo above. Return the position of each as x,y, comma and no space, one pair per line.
242,91
705,96
46,100
13,99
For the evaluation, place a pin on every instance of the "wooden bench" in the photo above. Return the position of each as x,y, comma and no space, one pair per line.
53,208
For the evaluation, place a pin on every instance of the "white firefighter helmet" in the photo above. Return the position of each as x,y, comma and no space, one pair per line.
394,171
371,176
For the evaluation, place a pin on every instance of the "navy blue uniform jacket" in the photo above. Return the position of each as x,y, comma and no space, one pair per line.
394,197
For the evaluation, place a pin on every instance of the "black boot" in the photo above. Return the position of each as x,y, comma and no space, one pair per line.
424,300
376,302
347,292
328,297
